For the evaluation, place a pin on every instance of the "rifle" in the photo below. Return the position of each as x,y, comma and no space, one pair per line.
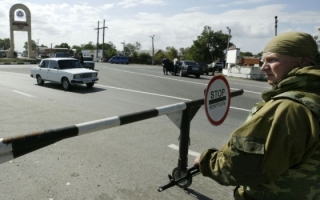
183,182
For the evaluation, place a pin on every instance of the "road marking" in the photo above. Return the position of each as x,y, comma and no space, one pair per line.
22,93
240,109
190,152
136,91
178,79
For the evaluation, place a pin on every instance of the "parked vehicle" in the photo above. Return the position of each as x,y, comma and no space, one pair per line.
66,71
187,67
119,60
204,67
88,62
218,66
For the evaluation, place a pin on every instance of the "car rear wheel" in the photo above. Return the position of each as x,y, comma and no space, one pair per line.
65,84
39,80
89,85
198,75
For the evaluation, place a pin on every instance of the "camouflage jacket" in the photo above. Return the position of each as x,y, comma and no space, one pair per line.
275,154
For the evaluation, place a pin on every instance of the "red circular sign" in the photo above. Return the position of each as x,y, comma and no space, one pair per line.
217,100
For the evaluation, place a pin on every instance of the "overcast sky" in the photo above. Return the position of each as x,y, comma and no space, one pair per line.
173,22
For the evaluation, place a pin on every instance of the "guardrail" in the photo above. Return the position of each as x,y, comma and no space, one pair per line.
180,114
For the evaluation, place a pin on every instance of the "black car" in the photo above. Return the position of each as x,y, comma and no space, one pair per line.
187,67
205,68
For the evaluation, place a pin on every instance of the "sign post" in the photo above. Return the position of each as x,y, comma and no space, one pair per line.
217,100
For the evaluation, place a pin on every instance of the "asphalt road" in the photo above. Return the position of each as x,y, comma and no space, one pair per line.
125,162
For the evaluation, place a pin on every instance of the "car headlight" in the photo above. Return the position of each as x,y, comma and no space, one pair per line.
94,74
77,76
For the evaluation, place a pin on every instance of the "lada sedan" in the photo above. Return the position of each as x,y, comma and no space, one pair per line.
66,71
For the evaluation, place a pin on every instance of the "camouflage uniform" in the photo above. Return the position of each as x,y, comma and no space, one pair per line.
275,154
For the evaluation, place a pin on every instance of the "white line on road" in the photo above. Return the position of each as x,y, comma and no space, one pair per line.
136,91
177,79
22,93
190,152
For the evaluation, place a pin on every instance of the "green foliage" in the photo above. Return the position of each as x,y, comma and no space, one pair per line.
159,56
260,54
246,53
77,48
129,48
208,47
4,44
317,39
63,45
144,58
89,46
171,53
33,46
109,50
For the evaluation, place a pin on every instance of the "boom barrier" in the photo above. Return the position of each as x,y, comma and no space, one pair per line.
180,114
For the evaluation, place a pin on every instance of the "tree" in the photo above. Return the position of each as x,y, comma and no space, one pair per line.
130,48
209,46
246,53
63,45
317,39
109,50
77,48
159,56
4,44
183,52
33,46
144,58
171,52
88,46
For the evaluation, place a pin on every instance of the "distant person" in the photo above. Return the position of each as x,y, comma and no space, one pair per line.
81,59
275,154
175,65
165,64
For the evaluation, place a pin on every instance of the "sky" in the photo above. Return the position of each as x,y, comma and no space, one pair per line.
175,23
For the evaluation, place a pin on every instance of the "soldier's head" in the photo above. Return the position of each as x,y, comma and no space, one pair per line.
287,51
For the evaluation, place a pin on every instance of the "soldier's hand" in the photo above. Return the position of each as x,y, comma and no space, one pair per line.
197,161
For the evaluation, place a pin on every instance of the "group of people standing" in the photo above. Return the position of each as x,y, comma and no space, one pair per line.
166,64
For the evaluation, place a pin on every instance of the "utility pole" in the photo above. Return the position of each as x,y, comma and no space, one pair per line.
152,37
97,40
104,27
229,30
276,24
124,44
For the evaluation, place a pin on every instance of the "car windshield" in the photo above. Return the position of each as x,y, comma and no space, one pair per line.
190,63
87,59
69,64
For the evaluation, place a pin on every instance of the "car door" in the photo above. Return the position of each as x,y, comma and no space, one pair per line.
43,70
53,71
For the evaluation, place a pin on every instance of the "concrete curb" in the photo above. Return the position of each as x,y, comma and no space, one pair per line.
17,63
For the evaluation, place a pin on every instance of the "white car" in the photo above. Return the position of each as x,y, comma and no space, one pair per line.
66,71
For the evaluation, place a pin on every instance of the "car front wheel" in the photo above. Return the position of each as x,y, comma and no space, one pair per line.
65,84
39,80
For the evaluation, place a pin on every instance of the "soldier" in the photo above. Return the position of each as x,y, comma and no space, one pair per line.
275,154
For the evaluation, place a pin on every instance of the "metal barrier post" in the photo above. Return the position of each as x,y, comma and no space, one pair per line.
184,141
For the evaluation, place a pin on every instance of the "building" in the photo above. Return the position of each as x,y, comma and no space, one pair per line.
249,61
93,54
